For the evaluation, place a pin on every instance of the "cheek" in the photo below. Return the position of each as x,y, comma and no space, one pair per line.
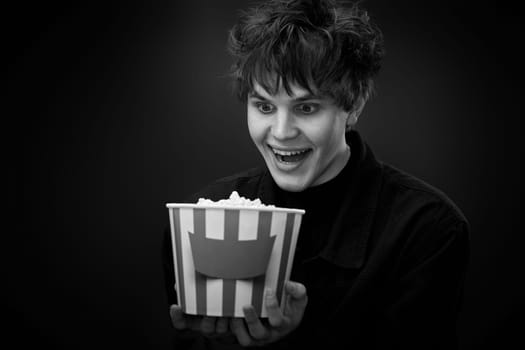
327,137
323,135
255,128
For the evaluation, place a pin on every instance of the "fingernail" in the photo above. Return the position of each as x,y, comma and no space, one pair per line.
269,292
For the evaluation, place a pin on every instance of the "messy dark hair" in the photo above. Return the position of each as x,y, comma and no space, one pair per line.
326,48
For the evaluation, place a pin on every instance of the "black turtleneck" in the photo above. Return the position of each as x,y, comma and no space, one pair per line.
321,204
381,253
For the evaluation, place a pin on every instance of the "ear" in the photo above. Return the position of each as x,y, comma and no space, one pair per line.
354,114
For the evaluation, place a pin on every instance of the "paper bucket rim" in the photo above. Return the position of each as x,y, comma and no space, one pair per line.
234,207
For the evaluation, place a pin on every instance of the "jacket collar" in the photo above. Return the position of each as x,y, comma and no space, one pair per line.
347,248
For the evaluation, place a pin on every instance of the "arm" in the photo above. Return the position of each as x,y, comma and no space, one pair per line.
424,303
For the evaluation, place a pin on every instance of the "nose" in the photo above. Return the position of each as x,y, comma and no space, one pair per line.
284,126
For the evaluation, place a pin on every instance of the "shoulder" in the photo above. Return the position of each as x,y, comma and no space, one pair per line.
245,183
424,217
414,195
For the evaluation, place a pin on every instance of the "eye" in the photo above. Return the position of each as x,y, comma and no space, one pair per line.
307,108
264,108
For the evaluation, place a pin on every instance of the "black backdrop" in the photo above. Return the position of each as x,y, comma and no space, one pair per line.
113,110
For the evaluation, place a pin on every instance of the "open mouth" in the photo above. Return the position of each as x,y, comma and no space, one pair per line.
290,157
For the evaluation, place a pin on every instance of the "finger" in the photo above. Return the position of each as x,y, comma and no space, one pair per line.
241,333
275,315
208,325
255,327
296,301
296,290
177,317
221,326
193,322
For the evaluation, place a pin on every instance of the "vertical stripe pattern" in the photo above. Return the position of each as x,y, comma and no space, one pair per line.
199,223
214,224
177,256
212,296
188,270
263,230
232,234
285,254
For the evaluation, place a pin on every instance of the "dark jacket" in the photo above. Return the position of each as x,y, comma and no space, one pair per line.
382,254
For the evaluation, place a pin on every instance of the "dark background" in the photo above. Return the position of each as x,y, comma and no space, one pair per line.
112,110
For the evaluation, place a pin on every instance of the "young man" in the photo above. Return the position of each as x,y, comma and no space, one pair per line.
381,255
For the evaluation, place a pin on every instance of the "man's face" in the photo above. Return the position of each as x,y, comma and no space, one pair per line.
301,137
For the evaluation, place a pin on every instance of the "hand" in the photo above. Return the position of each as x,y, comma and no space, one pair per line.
207,325
253,332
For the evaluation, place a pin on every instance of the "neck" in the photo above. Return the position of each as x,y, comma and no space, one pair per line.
340,160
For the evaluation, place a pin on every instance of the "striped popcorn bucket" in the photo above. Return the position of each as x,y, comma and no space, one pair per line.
226,256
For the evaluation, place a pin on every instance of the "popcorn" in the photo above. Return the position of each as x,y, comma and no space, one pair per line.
227,253
235,200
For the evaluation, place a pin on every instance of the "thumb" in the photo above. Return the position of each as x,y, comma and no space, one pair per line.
296,301
295,290
177,317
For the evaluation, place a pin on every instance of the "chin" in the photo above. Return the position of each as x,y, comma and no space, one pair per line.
290,185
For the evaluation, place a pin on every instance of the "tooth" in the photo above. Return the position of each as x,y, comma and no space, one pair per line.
288,153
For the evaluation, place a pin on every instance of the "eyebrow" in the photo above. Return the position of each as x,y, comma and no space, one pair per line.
306,97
